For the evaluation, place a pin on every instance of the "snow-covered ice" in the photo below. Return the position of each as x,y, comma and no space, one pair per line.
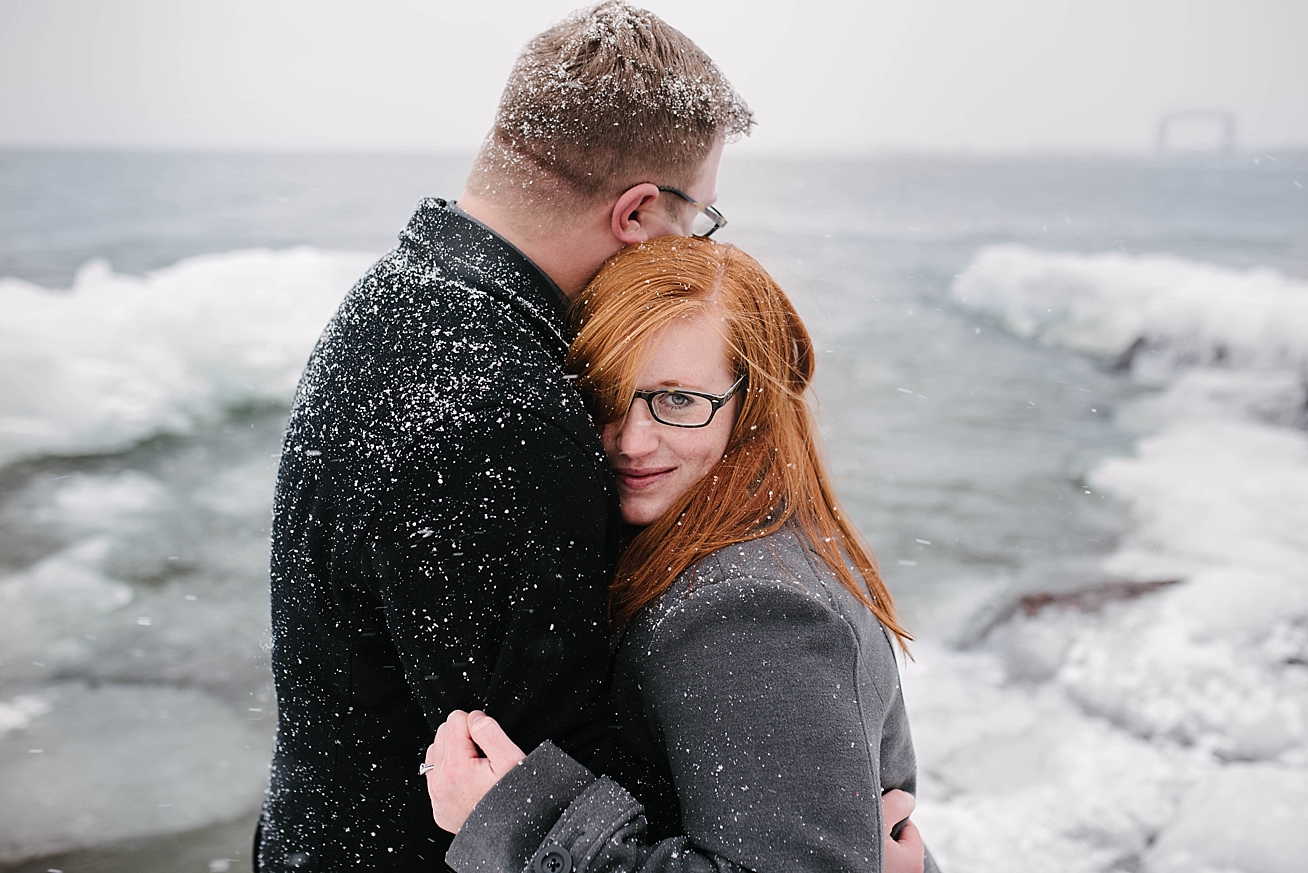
1168,732
117,358
1105,304
1164,733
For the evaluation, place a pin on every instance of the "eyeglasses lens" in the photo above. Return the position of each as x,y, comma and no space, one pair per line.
703,224
686,410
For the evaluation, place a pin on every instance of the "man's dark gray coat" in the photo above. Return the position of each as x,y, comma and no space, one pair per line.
443,530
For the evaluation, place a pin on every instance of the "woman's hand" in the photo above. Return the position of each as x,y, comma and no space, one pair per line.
458,776
906,854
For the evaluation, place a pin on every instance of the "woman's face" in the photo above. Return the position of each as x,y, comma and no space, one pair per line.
655,463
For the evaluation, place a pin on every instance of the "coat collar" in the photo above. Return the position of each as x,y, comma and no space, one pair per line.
468,251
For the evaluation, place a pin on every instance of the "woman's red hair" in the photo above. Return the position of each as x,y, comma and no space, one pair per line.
772,472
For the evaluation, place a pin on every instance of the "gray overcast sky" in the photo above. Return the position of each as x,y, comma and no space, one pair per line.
1003,75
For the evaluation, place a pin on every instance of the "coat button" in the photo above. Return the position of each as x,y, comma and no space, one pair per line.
555,859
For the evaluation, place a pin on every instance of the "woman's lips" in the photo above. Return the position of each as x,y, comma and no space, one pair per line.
636,480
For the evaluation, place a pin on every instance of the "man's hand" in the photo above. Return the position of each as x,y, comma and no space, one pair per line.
906,854
459,776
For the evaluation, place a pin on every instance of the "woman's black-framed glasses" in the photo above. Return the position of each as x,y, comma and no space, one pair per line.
678,408
707,218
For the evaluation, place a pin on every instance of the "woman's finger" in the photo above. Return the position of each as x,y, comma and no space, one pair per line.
436,751
458,742
502,753
441,733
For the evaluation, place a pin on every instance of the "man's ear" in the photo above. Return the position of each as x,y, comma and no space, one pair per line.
629,226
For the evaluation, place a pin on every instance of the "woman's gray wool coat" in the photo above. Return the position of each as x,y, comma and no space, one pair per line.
758,720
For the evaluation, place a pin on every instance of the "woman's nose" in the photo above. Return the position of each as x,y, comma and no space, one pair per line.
638,432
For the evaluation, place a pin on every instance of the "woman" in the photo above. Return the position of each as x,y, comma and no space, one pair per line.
758,711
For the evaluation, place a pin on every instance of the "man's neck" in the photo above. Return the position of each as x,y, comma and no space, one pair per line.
570,256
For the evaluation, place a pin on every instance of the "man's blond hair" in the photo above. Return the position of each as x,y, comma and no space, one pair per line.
608,98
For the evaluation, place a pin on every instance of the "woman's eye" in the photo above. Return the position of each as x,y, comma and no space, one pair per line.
675,400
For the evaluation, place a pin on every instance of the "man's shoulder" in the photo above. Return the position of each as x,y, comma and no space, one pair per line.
423,338
454,299
418,284
453,280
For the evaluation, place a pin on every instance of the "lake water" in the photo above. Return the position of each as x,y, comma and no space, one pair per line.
1081,379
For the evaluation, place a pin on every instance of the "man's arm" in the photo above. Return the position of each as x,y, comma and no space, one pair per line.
491,560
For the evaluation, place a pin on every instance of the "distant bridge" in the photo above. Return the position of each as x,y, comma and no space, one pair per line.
1214,118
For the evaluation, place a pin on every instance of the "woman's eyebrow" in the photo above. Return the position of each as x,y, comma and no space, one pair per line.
674,383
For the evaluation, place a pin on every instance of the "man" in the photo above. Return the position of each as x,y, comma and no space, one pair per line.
444,522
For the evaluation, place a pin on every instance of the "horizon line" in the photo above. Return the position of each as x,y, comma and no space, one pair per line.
742,150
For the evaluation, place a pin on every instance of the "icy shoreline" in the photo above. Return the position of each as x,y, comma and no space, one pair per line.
118,359
1168,733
